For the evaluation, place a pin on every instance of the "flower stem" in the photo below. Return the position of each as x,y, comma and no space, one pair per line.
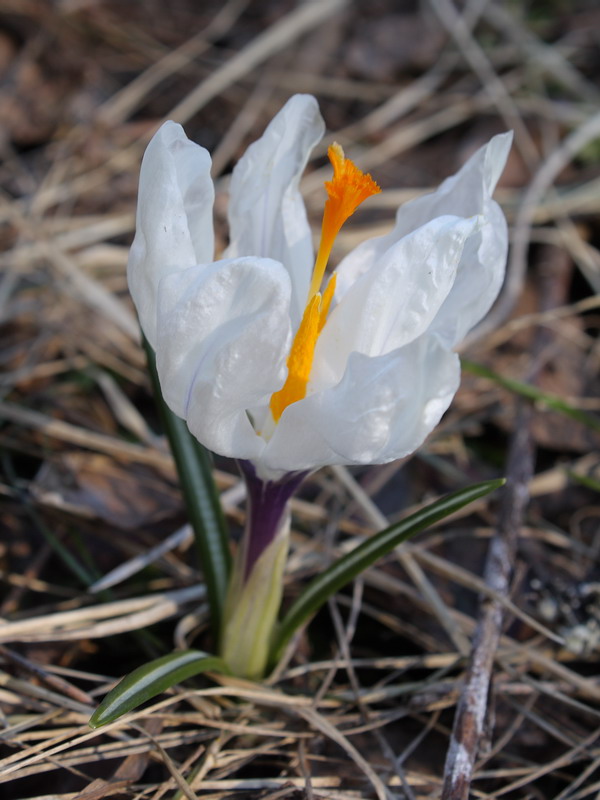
267,503
256,584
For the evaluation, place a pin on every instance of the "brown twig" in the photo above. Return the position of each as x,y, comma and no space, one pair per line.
471,710
473,703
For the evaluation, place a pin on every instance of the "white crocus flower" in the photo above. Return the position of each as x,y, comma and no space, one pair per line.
267,369
261,365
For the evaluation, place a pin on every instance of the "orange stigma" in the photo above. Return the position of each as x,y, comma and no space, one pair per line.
345,192
348,188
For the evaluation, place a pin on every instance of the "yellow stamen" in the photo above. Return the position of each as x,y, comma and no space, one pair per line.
300,360
345,192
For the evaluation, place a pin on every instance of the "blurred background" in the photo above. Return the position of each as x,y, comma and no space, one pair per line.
87,485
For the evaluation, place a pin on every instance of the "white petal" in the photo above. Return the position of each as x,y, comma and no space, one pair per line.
396,300
383,409
223,338
479,278
266,212
174,227
482,265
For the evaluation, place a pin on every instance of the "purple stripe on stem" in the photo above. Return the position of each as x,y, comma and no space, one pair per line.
266,505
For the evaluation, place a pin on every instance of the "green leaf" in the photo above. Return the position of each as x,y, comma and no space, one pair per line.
152,679
202,501
552,401
585,480
79,570
321,588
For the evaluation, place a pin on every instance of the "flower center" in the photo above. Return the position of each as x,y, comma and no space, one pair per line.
345,192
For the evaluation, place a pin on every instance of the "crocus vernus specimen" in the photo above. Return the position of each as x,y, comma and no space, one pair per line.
274,364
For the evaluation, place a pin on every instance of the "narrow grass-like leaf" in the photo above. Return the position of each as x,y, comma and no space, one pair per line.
53,541
153,678
551,401
202,502
345,569
585,480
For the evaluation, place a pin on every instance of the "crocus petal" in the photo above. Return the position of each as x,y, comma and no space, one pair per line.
382,409
479,278
223,337
395,301
481,269
174,226
266,212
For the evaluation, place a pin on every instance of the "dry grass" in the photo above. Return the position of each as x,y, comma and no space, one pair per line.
364,705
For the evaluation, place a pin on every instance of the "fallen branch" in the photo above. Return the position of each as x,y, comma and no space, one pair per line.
472,706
